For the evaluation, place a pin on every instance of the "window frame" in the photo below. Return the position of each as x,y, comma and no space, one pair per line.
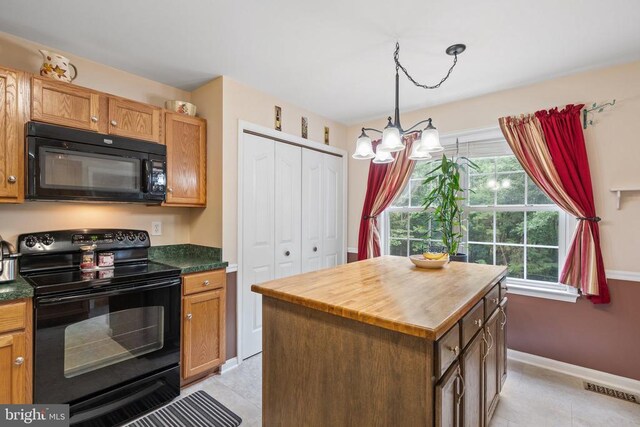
527,287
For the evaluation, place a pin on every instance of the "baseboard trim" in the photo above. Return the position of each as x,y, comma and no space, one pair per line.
229,365
629,276
603,378
352,250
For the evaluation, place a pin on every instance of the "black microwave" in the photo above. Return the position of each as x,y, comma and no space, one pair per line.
71,164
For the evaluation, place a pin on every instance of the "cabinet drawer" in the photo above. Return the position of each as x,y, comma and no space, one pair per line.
447,349
13,316
472,322
503,288
491,301
202,282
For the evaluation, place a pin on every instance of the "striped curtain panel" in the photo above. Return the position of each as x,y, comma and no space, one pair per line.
551,149
385,183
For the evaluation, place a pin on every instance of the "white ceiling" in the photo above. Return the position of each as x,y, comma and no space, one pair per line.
335,57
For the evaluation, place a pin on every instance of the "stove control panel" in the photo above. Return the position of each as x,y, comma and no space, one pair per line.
71,240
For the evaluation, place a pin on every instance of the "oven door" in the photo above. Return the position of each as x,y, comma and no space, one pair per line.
60,170
85,344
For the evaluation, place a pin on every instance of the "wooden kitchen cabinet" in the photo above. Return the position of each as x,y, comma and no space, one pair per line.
448,396
492,372
66,104
203,324
134,119
472,361
186,140
12,91
16,357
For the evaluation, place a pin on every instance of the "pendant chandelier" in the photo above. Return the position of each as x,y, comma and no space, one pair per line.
393,133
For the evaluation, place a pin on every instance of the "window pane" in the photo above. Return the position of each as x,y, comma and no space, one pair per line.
418,192
542,228
436,232
510,188
398,247
403,199
419,225
508,164
512,256
480,226
418,247
479,192
481,254
485,166
398,224
535,196
421,170
542,264
510,227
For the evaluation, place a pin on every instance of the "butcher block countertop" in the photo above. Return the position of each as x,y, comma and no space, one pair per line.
391,293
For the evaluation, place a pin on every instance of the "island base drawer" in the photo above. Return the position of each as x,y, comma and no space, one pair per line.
447,349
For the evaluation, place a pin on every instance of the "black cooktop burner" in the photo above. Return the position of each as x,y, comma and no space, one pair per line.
63,281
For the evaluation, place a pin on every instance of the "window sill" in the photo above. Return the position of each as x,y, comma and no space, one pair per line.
539,292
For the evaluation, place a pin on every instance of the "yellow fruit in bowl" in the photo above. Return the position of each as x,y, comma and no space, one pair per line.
434,256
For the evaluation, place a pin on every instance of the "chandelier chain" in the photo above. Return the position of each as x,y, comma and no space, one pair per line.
396,57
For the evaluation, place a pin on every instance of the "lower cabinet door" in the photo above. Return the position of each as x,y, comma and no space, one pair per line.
13,369
448,398
501,343
492,373
473,389
203,332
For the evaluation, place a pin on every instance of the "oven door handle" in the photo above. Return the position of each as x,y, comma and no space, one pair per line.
118,291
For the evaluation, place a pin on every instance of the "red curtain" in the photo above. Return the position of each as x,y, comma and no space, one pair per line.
385,183
565,140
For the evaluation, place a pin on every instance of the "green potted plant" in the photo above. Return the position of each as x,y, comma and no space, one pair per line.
446,198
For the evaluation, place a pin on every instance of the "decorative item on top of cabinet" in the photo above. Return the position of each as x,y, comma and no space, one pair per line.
67,105
203,323
13,90
305,128
134,119
326,135
57,67
16,352
182,107
186,140
278,124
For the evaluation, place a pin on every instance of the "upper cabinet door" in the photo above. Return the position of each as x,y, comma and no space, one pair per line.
64,104
186,141
11,141
134,120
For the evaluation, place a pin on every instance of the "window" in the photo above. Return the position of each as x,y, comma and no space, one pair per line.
509,221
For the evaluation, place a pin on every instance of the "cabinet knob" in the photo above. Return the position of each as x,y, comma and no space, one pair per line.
455,350
315,249
189,316
12,179
94,119
205,283
114,123
19,360
495,300
287,253
169,190
478,323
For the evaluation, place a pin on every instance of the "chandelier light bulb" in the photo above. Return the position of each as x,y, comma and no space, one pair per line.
418,153
383,157
431,139
364,150
391,140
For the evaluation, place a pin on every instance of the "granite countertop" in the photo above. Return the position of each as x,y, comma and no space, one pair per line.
188,258
17,289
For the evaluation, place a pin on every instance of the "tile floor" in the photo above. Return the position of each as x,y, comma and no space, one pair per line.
532,397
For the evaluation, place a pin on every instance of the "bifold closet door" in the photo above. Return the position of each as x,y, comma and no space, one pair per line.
332,200
258,234
288,193
312,210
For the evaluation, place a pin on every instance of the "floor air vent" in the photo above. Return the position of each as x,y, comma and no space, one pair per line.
608,391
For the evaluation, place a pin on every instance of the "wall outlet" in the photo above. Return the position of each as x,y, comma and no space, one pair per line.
156,228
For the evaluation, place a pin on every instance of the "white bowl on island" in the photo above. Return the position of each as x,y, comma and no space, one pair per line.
421,262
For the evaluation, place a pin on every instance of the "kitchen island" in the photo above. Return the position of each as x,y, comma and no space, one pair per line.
383,343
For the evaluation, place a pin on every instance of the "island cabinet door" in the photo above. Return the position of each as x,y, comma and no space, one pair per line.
501,343
492,372
448,395
473,389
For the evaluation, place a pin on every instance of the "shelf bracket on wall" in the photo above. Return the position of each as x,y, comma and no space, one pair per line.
595,108
619,191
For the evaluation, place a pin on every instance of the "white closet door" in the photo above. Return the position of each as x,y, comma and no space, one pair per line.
312,168
288,188
332,200
258,236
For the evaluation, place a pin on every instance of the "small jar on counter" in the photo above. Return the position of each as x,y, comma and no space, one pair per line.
106,259
88,260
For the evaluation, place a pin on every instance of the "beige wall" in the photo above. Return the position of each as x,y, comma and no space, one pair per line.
40,216
240,102
612,144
